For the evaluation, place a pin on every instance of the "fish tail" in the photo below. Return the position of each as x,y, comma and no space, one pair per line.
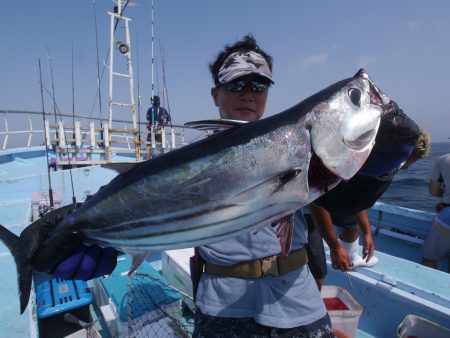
24,272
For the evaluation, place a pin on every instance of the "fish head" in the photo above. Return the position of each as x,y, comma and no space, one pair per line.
345,124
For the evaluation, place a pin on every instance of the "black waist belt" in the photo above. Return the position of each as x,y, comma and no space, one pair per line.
270,266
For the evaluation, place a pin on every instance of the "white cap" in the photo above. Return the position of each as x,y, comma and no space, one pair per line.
243,63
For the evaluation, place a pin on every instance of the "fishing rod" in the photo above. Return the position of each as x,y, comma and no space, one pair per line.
67,148
153,57
99,93
153,62
138,87
74,200
50,192
73,95
165,91
56,110
53,86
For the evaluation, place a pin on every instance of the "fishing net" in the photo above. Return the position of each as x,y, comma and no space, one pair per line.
155,309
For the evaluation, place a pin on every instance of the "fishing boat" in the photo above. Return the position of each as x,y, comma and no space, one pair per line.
397,287
53,165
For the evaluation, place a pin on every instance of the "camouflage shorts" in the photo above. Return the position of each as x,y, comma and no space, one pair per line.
220,327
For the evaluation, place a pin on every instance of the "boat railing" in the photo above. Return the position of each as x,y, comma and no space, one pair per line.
86,140
403,223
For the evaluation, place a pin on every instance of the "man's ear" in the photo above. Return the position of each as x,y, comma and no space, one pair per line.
214,95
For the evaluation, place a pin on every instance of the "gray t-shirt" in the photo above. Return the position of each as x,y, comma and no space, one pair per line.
286,301
441,172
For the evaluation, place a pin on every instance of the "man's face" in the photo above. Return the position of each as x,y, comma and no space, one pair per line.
245,104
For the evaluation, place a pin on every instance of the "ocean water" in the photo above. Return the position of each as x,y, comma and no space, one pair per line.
410,186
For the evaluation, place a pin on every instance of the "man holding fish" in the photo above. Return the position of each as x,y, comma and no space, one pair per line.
236,295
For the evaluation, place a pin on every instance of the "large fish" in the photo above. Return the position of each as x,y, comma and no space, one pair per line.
249,175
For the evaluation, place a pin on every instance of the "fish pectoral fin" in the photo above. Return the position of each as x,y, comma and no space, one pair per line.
285,233
137,259
121,168
287,177
214,125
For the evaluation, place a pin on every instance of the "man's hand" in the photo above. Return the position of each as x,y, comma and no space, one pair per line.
340,259
322,219
368,246
67,257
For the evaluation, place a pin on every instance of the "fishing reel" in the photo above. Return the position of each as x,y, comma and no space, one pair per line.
43,209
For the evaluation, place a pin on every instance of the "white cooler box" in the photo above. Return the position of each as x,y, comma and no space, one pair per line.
175,269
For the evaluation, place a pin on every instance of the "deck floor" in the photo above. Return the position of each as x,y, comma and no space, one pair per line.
12,323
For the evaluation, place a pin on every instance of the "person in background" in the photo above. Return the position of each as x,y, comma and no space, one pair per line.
437,244
346,205
157,117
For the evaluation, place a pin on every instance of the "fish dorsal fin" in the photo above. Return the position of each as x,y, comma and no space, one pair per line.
121,167
214,125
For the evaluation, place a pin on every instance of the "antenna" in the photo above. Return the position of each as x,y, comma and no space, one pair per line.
124,50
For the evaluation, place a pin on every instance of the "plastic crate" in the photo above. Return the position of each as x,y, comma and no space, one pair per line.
55,295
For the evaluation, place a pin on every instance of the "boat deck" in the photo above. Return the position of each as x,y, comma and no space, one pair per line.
11,323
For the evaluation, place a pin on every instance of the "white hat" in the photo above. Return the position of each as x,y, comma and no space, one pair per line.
243,63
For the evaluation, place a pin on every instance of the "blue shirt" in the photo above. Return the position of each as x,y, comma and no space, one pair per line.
278,301
157,115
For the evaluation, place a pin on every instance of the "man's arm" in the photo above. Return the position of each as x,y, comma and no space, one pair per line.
368,244
324,223
167,117
435,188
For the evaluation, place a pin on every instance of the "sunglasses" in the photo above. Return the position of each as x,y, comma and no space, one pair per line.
257,86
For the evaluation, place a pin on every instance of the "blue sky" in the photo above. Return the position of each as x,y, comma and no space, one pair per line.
404,45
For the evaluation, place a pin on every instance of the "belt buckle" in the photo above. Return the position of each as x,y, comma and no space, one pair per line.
269,266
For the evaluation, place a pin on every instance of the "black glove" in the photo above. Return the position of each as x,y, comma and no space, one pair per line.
67,257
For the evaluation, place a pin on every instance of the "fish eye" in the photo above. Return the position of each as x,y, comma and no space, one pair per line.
355,96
